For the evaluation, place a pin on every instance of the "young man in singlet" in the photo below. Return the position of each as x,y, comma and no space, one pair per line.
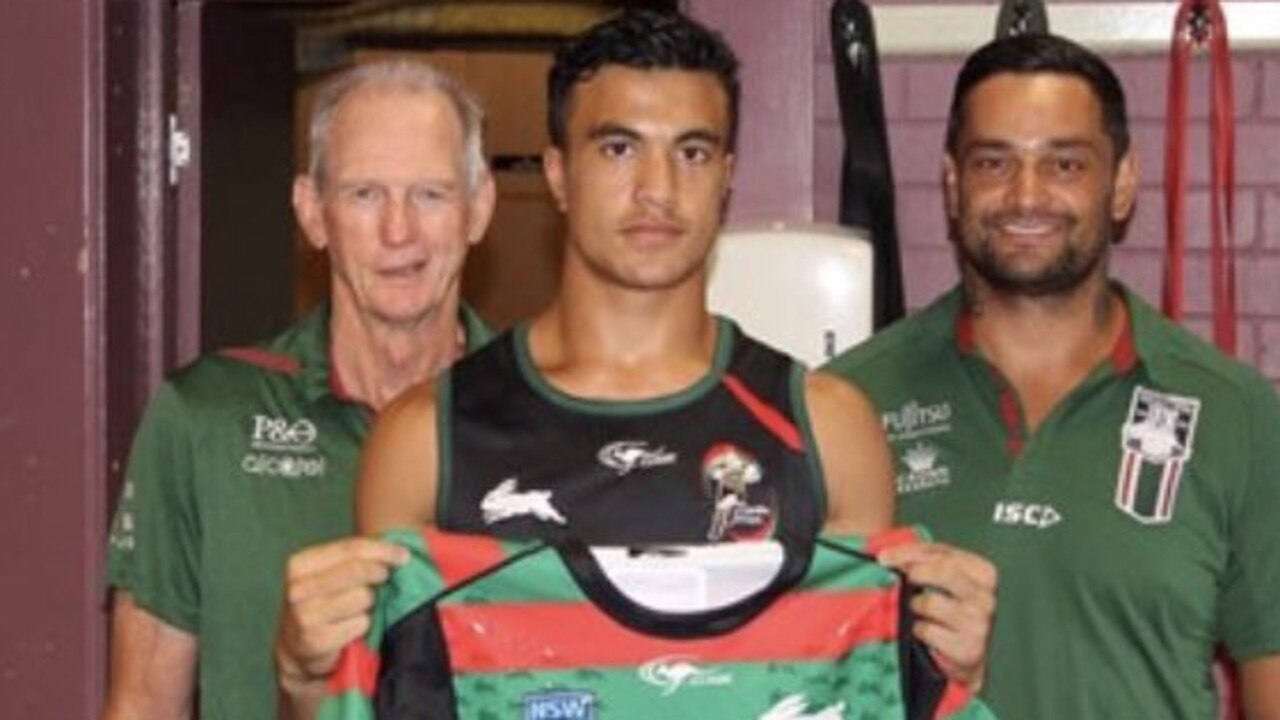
626,412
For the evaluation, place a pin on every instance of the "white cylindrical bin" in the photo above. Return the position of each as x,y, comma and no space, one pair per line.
804,289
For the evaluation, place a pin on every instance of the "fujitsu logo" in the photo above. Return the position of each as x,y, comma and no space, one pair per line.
624,456
916,420
673,672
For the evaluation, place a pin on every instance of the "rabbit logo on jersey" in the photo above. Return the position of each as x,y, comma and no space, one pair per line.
1156,442
796,707
728,475
506,501
283,447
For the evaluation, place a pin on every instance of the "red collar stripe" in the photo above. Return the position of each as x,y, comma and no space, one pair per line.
1011,417
1124,355
278,362
768,416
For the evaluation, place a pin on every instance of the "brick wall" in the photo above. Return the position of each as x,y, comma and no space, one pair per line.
917,93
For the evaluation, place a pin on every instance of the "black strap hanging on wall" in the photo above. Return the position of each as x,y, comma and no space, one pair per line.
1022,17
866,178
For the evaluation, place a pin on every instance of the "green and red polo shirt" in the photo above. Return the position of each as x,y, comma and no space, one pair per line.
241,459
1134,529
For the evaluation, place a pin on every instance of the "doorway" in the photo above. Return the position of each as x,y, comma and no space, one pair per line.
243,97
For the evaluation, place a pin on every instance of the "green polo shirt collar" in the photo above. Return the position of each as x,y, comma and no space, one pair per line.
1142,341
308,345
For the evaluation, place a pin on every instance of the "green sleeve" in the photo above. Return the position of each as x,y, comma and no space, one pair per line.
153,551
1251,591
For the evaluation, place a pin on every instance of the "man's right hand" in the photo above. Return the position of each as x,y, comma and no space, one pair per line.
329,590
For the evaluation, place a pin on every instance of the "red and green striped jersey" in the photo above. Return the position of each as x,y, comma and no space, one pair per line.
479,628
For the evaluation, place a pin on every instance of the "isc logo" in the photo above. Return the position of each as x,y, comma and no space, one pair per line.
1028,514
561,705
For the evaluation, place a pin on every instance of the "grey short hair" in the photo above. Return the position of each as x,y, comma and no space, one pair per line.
408,75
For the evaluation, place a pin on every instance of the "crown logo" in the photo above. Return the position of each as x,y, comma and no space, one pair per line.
920,458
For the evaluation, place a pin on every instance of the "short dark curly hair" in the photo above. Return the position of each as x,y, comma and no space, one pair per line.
644,39
1033,54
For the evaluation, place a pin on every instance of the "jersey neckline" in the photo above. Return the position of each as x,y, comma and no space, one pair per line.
594,582
726,332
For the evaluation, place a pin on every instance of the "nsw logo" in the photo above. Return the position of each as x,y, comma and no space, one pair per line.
560,705
673,672
624,456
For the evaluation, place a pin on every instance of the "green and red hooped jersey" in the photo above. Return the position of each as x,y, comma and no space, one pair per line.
476,628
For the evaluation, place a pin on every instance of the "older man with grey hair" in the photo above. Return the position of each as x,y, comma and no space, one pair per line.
250,453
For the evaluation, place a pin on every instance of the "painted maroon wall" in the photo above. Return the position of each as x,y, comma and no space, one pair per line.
51,408
781,117
54,450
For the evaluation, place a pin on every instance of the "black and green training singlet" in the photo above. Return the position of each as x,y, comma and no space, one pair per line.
475,627
728,458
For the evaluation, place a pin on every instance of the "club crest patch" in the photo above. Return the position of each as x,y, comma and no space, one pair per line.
729,475
1156,443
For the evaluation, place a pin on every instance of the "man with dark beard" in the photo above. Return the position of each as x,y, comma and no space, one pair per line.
1121,473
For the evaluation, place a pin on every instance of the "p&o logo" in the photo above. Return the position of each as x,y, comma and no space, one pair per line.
277,433
283,448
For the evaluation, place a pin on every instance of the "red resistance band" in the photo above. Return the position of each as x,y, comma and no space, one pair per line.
1201,24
